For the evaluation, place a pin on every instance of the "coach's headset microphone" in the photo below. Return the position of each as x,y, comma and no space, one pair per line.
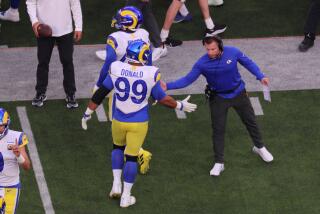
216,39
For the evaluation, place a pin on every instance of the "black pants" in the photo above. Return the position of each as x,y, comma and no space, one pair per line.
65,48
149,21
312,18
219,110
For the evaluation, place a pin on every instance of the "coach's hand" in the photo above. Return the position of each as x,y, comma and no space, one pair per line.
84,120
184,105
265,81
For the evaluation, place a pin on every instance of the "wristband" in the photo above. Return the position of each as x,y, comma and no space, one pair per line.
88,112
179,106
21,159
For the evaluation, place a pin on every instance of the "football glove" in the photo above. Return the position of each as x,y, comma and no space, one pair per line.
144,158
84,120
184,105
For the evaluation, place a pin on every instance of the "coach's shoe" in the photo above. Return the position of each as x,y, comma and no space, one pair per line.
159,52
144,158
263,153
10,15
116,190
173,42
127,201
216,30
101,54
39,99
71,101
215,3
217,169
180,18
307,43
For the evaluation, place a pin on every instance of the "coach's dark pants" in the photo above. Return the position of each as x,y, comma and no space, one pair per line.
65,48
219,110
312,18
149,21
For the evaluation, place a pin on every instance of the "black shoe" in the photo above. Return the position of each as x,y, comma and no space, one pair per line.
39,99
173,42
71,102
306,43
216,30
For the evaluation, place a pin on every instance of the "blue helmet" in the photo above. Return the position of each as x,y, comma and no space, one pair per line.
127,18
4,121
139,52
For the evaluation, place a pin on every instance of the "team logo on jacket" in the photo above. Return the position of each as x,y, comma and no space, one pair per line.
229,61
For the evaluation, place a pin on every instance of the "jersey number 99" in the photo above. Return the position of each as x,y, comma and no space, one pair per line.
123,90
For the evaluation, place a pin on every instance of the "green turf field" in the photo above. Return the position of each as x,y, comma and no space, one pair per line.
245,18
77,167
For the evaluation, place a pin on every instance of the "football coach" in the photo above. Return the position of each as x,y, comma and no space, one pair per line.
225,89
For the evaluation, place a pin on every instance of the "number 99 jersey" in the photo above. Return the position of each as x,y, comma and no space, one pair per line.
133,85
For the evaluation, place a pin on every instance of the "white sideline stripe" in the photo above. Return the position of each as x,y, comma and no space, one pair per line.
101,114
256,106
180,114
36,164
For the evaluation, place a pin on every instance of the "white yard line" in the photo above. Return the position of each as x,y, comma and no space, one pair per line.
256,106
180,114
101,114
36,163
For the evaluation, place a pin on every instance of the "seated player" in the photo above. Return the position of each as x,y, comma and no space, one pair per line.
12,154
128,21
133,83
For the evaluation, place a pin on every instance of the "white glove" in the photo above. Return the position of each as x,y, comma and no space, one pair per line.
184,105
84,120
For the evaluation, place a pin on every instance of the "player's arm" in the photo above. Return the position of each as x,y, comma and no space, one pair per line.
20,152
111,57
96,100
158,94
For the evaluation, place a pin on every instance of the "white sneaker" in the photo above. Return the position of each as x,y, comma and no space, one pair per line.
159,52
116,190
101,54
127,201
217,169
10,15
215,2
263,153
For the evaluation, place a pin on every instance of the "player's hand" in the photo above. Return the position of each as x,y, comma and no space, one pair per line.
265,81
186,106
84,120
16,149
77,36
35,29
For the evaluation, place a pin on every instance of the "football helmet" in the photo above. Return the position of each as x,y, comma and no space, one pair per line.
127,18
139,52
4,121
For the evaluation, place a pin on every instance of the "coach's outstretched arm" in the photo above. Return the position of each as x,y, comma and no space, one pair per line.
93,104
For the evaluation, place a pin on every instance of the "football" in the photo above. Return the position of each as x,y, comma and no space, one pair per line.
44,30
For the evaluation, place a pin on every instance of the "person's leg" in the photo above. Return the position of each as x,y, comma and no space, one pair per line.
136,133
219,111
117,157
212,29
11,199
65,48
245,111
170,15
310,26
44,52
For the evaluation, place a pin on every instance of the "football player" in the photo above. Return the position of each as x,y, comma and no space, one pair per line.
12,14
12,154
128,21
133,83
